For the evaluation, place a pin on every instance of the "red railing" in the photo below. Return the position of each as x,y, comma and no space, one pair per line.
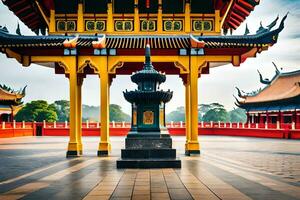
278,130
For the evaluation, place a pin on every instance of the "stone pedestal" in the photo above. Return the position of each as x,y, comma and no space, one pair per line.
148,150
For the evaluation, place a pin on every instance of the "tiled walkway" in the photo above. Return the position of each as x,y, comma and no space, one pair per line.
228,168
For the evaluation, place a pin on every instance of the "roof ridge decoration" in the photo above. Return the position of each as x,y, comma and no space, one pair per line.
100,43
195,43
8,90
71,43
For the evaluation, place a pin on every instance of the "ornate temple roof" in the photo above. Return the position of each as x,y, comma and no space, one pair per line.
11,97
262,38
282,90
35,13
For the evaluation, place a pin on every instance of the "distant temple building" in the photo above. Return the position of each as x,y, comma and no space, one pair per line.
278,101
10,103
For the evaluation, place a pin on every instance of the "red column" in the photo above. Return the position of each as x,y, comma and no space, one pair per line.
294,118
261,119
248,117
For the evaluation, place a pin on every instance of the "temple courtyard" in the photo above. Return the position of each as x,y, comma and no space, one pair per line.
228,168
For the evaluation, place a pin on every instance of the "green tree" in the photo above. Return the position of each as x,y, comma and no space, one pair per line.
237,115
62,108
216,113
176,115
37,111
116,114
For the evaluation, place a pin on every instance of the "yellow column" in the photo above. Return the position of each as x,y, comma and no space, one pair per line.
52,24
73,148
187,18
104,145
80,20
79,114
136,18
187,114
110,20
193,146
217,21
159,17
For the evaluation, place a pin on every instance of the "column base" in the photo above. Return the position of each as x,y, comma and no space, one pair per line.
192,152
104,149
102,153
73,154
80,149
73,150
192,148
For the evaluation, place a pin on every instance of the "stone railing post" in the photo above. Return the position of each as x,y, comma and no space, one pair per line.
44,123
256,125
113,124
230,125
211,124
98,124
66,124
123,124
243,125
219,124
3,125
181,125
278,125
87,124
293,126
202,124
14,124
266,125
249,125
238,125
23,124
54,124
172,124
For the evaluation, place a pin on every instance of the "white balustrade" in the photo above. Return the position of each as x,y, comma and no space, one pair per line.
66,124
278,125
293,126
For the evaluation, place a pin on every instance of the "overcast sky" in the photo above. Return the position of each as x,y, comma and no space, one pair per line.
218,86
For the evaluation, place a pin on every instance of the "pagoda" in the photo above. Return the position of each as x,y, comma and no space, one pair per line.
10,102
277,102
148,144
107,38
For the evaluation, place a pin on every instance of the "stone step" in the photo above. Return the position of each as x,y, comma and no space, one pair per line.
149,163
148,153
149,143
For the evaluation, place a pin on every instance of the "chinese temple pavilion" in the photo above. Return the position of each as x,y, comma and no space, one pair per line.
108,38
278,101
10,103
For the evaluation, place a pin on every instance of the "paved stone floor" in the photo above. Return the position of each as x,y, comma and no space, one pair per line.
230,168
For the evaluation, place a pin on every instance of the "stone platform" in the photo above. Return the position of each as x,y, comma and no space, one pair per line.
229,168
148,150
